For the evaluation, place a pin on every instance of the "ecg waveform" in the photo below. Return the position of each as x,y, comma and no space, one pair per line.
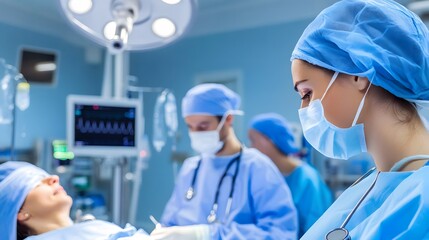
104,127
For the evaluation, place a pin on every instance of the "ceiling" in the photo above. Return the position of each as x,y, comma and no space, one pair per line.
213,16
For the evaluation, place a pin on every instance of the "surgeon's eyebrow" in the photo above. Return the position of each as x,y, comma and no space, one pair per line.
299,82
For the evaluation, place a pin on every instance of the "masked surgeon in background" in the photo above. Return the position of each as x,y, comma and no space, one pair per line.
228,191
362,71
271,134
34,206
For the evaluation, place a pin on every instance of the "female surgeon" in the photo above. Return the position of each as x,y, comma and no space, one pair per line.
34,206
362,71
228,191
271,134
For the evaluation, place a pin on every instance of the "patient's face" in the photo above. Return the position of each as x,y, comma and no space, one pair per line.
47,198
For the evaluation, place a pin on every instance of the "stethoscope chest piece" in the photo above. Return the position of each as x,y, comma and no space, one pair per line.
190,193
211,218
338,234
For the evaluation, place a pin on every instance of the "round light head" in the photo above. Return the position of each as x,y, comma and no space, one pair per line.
80,6
109,30
163,27
172,2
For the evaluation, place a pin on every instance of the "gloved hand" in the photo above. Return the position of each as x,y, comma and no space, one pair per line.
192,232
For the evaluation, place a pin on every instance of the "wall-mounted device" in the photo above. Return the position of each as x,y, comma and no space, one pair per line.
99,126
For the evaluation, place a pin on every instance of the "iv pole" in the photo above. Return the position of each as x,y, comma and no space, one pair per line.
119,72
12,144
129,16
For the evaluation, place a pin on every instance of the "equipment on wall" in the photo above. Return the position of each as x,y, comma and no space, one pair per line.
99,126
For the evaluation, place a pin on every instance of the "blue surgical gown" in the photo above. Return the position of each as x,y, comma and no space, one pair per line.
262,206
92,230
396,208
310,194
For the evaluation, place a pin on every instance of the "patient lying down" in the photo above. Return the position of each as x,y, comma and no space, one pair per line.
35,206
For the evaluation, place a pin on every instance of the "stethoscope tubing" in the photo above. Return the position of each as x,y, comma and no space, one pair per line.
191,192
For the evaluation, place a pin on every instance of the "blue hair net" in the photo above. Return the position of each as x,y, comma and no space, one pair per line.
210,99
277,129
17,179
377,39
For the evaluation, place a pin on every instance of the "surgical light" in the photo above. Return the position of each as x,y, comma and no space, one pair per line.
172,2
130,24
163,27
80,6
109,30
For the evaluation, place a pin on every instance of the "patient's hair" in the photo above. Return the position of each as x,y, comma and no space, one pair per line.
22,231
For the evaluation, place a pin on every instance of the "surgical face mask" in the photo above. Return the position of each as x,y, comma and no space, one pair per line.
207,142
328,139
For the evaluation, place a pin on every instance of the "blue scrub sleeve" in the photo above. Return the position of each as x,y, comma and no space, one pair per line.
169,216
402,216
310,194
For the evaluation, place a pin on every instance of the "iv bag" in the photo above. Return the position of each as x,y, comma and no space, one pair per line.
171,114
159,129
22,100
6,94
9,78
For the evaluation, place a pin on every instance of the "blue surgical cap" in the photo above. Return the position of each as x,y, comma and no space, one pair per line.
277,129
377,39
17,179
210,99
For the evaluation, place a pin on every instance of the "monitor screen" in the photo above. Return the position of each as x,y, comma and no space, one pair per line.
103,127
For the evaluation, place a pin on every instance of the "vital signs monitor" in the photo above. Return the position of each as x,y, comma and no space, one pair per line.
98,126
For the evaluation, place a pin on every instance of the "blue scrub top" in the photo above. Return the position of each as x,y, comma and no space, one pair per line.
396,208
262,206
310,194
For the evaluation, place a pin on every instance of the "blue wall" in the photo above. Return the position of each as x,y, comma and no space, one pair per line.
260,54
46,115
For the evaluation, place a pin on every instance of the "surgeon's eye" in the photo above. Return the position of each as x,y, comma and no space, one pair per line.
306,96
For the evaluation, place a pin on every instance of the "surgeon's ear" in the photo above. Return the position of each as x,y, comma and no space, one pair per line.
361,83
23,216
228,120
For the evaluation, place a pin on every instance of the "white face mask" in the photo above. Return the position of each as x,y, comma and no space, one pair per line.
207,142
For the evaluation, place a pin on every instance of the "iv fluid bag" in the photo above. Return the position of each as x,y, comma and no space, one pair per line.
7,88
22,100
10,79
171,115
6,100
159,129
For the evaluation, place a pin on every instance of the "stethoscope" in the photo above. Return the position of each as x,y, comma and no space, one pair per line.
211,218
342,233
